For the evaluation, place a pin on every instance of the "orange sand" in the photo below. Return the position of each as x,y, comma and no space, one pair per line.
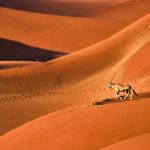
55,33
60,7
64,103
13,64
128,11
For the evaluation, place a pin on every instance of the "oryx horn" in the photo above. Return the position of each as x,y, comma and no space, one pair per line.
112,78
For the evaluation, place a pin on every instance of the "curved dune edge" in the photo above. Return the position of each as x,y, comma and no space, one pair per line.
82,67
13,64
54,75
128,11
114,123
59,7
138,143
12,51
57,33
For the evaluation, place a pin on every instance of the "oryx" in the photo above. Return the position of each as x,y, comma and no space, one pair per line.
121,88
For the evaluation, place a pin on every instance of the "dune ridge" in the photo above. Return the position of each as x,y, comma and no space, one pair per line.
84,70
56,33
13,64
138,143
128,11
59,7
63,127
131,40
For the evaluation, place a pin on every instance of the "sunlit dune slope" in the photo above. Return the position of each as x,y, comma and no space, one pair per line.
55,33
135,71
59,7
11,50
128,11
80,77
139,143
77,67
13,64
82,128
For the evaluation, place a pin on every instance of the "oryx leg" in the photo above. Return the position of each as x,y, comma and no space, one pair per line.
118,95
127,94
130,95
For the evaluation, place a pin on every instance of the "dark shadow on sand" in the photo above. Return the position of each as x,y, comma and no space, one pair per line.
11,50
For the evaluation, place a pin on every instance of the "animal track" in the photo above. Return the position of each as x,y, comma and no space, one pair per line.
13,99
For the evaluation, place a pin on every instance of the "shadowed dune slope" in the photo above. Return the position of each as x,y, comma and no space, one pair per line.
77,67
13,64
59,7
57,33
85,128
128,11
139,143
11,50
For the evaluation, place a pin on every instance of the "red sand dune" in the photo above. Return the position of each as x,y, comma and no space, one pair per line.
13,64
59,7
89,69
80,64
24,52
138,143
56,33
85,128
128,11
80,78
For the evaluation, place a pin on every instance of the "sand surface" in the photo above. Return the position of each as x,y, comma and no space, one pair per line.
60,7
54,74
53,33
127,11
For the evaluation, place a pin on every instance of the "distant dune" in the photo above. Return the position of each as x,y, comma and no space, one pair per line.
59,7
12,50
128,11
55,33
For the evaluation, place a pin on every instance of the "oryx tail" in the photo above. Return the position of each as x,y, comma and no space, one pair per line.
134,92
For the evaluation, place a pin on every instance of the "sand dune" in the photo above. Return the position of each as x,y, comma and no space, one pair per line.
77,74
64,103
82,128
138,143
59,7
122,45
24,52
128,11
13,64
56,33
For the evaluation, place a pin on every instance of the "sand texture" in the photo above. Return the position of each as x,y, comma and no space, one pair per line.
55,67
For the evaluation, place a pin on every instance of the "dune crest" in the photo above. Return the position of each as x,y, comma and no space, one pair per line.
122,45
128,11
55,33
93,128
59,7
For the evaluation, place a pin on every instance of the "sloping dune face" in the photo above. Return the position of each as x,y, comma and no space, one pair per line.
138,143
59,7
68,81
54,33
43,91
82,65
85,128
128,11
13,64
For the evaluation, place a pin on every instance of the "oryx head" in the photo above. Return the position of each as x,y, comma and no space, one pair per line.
109,85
